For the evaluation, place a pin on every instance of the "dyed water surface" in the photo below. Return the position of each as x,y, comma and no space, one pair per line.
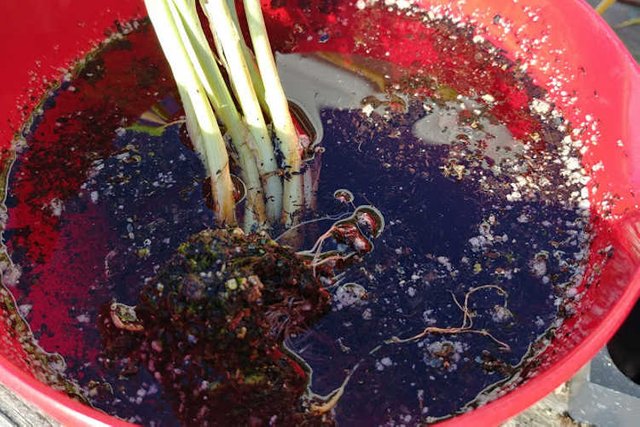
483,235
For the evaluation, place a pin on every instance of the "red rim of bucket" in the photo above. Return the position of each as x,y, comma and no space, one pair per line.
69,412
55,404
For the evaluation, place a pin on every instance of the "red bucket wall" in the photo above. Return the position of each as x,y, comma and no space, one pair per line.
40,39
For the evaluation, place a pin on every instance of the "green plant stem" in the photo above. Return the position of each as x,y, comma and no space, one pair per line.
628,23
207,69
201,122
604,5
251,62
230,40
248,57
284,129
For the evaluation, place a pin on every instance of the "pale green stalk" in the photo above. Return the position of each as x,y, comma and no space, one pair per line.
293,200
250,60
231,42
604,5
256,78
218,45
207,69
201,122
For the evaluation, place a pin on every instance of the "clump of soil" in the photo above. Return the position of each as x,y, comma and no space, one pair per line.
210,327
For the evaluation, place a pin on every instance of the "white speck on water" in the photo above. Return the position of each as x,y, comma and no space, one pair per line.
501,314
445,262
367,110
383,363
426,317
57,206
83,318
10,273
153,389
539,266
514,196
349,294
539,106
571,292
572,164
488,98
584,204
25,309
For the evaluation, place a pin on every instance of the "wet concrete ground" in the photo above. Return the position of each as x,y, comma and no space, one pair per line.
616,17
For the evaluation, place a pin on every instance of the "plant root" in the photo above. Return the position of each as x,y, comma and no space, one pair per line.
467,322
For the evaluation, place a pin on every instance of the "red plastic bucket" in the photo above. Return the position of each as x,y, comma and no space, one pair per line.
563,43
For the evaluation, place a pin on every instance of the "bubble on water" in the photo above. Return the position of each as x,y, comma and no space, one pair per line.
323,36
343,195
444,354
239,188
371,218
350,294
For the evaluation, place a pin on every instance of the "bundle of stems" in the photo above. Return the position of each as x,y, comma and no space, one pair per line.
250,105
